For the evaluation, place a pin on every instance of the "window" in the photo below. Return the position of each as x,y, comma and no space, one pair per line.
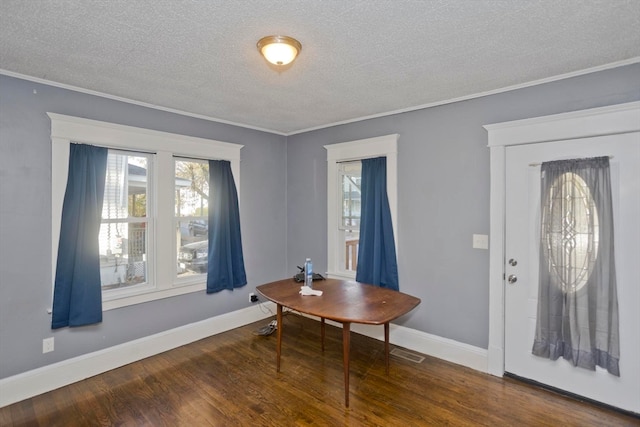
343,198
349,228
155,206
571,232
123,239
191,217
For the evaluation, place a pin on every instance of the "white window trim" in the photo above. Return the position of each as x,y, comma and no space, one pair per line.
162,275
381,146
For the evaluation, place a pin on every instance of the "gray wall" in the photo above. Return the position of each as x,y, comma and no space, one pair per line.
25,224
443,194
443,200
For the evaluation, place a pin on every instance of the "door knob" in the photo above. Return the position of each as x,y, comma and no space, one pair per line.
512,278
513,262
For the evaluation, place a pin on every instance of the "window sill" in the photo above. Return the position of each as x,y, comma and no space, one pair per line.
342,275
147,294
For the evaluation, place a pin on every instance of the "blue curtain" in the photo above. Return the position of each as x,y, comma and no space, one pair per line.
226,263
77,294
377,263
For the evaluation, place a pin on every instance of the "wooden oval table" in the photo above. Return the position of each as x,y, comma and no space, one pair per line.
342,301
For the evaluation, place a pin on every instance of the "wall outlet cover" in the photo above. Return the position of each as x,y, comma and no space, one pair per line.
47,345
480,241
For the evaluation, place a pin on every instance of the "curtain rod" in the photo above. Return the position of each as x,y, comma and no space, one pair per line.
538,164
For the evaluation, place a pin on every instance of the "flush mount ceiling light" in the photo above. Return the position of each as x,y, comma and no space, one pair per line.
279,50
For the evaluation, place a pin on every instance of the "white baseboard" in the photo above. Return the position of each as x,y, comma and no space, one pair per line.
442,348
41,380
422,342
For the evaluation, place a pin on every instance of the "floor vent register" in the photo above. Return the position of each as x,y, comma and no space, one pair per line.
407,355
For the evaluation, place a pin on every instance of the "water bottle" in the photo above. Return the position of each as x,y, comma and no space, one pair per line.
308,273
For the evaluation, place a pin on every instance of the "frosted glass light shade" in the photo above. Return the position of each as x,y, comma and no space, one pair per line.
279,50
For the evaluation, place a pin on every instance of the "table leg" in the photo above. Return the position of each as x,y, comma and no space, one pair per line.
279,344
386,346
346,336
322,322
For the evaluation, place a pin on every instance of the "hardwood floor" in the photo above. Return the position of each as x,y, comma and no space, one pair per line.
230,380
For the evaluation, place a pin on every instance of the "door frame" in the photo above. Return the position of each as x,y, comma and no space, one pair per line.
609,120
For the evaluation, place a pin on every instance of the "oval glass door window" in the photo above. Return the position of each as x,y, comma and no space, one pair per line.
571,238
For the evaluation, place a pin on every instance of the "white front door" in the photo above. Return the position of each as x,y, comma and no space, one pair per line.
522,225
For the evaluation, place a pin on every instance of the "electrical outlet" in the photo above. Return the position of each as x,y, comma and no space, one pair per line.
47,345
253,297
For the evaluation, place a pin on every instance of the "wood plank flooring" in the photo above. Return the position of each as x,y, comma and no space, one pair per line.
230,380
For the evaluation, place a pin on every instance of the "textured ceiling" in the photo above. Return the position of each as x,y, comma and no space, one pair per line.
359,58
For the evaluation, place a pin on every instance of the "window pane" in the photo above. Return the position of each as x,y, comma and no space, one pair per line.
192,210
123,255
193,247
350,179
192,188
125,192
571,231
123,237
